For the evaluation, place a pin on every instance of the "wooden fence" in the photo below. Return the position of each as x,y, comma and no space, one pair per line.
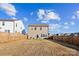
6,37
67,39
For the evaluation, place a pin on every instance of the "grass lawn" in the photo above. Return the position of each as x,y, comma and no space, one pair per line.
35,47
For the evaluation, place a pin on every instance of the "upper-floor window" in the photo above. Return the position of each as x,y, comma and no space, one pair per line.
16,25
35,28
40,28
32,28
3,23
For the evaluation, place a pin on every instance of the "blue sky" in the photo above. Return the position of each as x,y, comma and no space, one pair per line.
61,17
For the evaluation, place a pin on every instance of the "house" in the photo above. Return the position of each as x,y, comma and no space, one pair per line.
37,31
11,25
76,34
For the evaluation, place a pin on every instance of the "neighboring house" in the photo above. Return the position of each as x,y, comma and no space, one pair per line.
37,31
11,25
76,34
67,34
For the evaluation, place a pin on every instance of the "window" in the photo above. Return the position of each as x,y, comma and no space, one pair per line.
3,23
0,28
15,31
16,25
7,31
43,35
40,28
32,28
21,28
35,28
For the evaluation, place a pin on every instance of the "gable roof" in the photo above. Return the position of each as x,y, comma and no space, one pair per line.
38,25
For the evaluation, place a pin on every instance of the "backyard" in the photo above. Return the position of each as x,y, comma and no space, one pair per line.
35,47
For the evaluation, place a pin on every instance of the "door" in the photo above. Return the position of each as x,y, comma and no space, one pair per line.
37,36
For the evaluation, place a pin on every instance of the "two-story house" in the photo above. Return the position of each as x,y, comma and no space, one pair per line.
11,25
37,31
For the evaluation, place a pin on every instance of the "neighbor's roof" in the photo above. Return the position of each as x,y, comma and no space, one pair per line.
8,20
38,25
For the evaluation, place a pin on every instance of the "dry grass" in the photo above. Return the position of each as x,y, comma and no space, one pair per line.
35,48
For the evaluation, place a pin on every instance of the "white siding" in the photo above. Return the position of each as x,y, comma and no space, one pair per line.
11,26
7,26
19,27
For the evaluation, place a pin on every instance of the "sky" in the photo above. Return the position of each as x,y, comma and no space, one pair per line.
61,17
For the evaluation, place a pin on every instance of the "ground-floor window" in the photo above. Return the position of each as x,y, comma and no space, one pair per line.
7,31
43,35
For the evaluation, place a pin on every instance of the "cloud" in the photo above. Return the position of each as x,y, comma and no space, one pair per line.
54,26
25,19
66,23
73,17
52,16
44,21
66,27
76,15
14,18
72,23
41,14
8,8
31,13
46,15
69,23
